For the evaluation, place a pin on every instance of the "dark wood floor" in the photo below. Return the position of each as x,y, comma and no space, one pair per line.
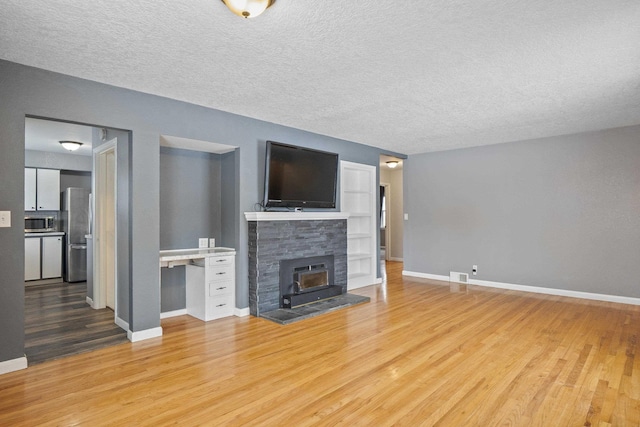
59,323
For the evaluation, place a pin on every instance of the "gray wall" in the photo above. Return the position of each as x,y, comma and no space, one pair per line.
74,179
27,91
43,159
560,212
190,199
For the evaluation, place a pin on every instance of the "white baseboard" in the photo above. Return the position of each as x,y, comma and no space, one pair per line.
425,275
13,365
393,258
124,325
144,335
559,292
241,312
173,313
534,289
89,301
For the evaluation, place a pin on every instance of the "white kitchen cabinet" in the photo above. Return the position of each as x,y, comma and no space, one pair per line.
41,189
29,189
48,190
211,287
51,257
31,258
42,257
358,198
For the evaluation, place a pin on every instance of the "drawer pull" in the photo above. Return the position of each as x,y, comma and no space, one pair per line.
221,305
221,260
221,273
219,289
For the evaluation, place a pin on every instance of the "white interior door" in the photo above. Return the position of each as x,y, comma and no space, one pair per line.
105,249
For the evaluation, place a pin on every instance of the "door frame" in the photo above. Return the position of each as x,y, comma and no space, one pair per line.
99,289
387,230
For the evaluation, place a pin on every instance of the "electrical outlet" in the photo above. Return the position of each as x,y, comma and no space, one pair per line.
474,270
203,242
406,217
212,242
5,218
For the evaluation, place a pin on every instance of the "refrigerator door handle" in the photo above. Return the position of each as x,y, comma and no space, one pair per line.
77,246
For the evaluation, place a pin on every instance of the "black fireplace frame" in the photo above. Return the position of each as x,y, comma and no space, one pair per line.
290,297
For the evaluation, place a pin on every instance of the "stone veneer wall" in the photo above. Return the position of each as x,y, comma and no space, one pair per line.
273,241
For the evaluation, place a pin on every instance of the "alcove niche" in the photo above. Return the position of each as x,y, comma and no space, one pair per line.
198,199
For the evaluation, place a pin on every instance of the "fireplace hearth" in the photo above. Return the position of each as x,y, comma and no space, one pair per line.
306,280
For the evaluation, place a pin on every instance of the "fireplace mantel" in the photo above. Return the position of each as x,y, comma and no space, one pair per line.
292,216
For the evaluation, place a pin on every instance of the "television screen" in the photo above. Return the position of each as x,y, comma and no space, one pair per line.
297,177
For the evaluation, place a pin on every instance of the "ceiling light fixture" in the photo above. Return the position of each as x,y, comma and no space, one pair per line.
71,145
248,8
392,164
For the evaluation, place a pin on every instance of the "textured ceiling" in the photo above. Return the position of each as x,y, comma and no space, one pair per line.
408,76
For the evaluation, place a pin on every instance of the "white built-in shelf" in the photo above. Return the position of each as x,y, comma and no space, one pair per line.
358,198
357,191
353,257
358,235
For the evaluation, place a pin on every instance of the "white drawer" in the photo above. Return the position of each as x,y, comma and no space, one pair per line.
218,273
221,260
219,307
220,289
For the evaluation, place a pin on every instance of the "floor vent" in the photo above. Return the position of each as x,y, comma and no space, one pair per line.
458,277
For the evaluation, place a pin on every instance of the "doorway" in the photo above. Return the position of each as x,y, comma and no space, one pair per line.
59,317
385,224
392,207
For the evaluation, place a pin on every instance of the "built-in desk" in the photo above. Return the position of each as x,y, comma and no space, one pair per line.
210,279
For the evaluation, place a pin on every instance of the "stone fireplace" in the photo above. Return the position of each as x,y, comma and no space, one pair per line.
295,258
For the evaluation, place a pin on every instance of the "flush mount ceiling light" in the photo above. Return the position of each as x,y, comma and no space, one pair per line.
71,145
392,164
248,8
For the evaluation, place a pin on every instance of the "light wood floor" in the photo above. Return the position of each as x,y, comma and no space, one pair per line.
419,354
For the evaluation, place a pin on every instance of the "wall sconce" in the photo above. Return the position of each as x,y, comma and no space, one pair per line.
71,145
248,8
392,164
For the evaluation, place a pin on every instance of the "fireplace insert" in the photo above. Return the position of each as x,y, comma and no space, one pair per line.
306,280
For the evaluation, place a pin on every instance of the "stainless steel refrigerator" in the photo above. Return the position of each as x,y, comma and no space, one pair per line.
75,224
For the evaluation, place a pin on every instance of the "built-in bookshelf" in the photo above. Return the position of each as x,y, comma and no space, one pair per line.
358,198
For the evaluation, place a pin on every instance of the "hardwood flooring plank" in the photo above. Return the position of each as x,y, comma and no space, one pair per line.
420,353
59,323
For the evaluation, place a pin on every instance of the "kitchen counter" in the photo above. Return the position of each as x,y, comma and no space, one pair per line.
45,234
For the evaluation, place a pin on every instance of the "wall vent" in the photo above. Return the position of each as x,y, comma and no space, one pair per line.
458,277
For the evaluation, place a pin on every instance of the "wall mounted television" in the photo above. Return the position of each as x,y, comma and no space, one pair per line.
298,177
